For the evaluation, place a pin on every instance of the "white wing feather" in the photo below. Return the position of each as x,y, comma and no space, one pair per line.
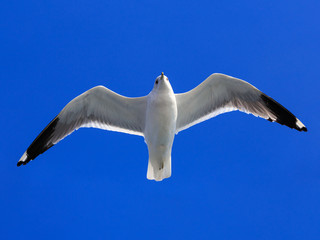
220,93
98,107
102,108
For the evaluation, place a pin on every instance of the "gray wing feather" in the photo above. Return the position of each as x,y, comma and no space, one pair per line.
220,93
102,108
98,107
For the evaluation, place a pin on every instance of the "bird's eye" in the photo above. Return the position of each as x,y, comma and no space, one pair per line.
157,82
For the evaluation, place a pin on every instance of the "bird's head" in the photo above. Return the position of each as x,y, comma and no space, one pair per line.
162,82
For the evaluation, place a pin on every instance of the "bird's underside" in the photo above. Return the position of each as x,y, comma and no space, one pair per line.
102,108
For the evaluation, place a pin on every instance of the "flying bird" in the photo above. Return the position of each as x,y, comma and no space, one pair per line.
160,115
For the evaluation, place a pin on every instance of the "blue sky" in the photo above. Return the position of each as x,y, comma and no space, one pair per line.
234,177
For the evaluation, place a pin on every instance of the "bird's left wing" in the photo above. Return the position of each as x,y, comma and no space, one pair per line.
98,107
220,93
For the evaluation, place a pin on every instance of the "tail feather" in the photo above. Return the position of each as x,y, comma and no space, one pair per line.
159,169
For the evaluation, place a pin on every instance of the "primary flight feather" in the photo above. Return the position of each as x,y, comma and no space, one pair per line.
159,115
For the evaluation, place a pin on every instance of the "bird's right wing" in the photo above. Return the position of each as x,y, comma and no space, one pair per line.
220,93
98,107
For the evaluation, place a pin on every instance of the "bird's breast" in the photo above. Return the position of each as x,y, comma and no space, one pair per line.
161,117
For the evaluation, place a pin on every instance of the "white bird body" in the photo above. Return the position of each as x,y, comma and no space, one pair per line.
159,116
160,128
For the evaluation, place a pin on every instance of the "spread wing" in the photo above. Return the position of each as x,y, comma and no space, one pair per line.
98,107
220,93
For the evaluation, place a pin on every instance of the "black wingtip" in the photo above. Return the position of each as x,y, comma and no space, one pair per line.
283,116
24,161
40,144
304,129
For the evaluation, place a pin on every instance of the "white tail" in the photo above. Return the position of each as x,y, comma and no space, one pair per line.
159,169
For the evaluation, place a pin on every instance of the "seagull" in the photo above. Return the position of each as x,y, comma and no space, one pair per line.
160,115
